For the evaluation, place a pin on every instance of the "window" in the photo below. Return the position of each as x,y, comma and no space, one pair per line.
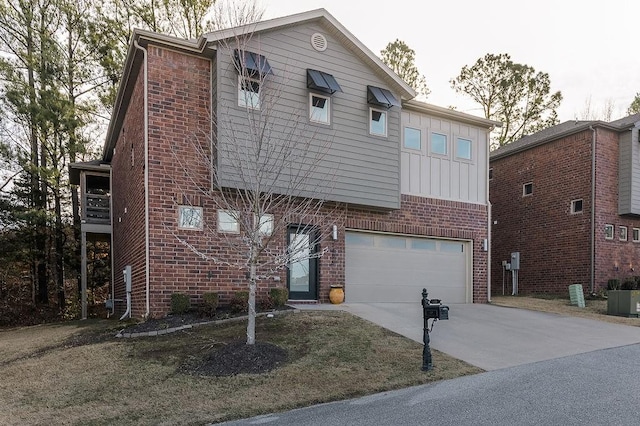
412,138
319,108
248,92
438,144
227,221
527,189
490,173
576,206
622,233
189,217
378,122
463,149
266,224
636,235
608,232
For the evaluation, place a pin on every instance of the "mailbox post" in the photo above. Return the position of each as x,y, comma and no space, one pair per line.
431,309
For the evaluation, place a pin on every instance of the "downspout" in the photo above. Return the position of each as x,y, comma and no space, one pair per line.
489,212
593,210
113,267
146,171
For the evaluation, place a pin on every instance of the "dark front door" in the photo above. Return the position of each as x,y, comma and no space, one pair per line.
303,266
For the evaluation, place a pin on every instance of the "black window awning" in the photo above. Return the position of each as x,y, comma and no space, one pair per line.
321,81
382,97
254,63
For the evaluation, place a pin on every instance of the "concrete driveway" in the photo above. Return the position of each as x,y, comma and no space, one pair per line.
493,337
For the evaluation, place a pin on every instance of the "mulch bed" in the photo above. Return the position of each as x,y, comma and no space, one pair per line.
236,357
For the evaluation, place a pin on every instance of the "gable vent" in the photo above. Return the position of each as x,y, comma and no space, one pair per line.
319,42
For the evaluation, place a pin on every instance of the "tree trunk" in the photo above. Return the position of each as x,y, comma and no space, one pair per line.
251,324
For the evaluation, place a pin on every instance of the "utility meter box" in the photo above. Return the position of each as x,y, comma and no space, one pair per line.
515,260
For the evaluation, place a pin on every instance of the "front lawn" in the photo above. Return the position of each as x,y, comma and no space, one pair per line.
77,373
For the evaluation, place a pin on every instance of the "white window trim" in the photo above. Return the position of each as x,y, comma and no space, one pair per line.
404,146
269,221
634,232
386,122
242,100
613,231
623,230
446,145
328,105
233,214
455,146
573,206
524,190
198,226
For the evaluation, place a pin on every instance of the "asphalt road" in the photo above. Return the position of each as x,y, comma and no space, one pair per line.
595,388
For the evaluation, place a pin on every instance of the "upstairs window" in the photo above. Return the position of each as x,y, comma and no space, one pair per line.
319,108
265,224
412,138
248,92
636,235
252,69
463,149
527,189
320,105
438,144
377,122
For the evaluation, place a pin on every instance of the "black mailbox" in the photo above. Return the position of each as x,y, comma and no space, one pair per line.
435,310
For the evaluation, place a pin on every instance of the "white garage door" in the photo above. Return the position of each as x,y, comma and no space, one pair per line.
395,268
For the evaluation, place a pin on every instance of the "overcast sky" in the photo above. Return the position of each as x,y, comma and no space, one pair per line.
589,48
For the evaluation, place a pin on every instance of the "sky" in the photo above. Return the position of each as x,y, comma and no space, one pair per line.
589,48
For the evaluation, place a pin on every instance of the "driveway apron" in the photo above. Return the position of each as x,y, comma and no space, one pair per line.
493,337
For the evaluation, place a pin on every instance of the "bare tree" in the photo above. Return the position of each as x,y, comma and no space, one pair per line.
268,171
605,113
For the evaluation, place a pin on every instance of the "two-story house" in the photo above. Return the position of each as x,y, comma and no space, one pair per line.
407,207
568,200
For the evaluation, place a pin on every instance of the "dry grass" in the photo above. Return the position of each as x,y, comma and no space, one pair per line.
333,356
594,309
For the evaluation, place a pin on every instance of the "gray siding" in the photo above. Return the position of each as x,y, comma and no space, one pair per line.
629,173
444,176
349,164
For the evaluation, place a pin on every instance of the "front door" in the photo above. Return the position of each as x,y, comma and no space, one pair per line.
303,266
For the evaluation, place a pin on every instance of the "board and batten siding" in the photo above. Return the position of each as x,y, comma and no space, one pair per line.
444,176
629,173
356,167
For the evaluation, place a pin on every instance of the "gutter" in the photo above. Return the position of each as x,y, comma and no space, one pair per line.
489,219
593,209
146,172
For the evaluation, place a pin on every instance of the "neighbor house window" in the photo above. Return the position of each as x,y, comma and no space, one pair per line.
412,138
608,232
189,217
576,206
622,233
490,173
319,108
463,149
438,144
377,122
636,235
248,92
265,224
527,189
227,221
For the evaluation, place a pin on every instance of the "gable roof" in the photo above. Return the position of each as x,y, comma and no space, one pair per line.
333,27
561,130
206,45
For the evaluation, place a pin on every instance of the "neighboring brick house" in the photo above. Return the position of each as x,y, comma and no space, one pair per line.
571,211
409,206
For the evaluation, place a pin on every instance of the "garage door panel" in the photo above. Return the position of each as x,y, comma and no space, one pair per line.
378,271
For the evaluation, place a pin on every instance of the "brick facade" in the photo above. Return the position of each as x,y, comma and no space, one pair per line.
554,243
179,110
